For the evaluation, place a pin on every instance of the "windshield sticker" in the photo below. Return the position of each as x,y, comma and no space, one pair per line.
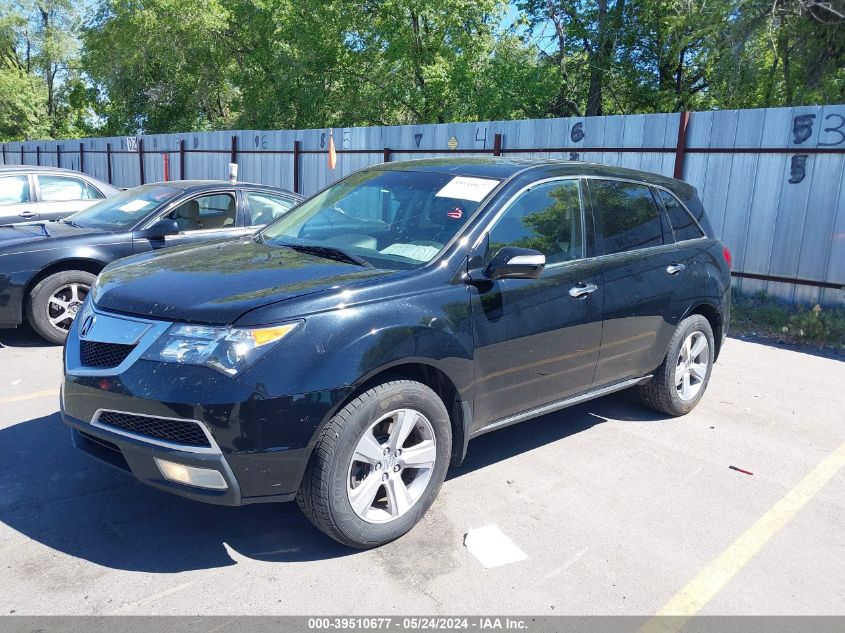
134,205
466,188
419,252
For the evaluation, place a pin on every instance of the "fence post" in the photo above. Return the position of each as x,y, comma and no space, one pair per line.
166,157
81,157
141,161
182,159
296,166
234,155
4,154
108,161
22,154
38,155
681,147
497,145
386,154
58,155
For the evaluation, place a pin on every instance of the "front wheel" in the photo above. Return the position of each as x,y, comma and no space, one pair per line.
54,302
680,381
378,464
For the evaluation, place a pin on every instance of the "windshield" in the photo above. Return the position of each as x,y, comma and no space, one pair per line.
125,210
390,219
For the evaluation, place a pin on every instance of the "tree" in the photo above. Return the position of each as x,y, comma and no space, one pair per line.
42,91
162,65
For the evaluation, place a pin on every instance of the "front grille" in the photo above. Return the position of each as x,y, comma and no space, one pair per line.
186,432
103,355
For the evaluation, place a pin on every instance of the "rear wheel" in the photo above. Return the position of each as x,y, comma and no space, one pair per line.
378,464
54,302
680,381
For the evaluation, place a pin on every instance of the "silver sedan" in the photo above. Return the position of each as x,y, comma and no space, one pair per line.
29,193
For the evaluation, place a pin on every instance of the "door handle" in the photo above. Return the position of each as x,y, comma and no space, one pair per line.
674,269
26,214
582,290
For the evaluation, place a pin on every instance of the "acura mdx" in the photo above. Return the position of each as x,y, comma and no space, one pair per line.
345,355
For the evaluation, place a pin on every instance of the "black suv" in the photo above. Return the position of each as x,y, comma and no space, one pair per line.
346,354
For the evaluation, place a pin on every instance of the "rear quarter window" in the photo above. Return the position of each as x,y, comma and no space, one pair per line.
683,225
627,215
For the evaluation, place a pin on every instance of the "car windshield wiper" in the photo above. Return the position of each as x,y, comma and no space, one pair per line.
42,228
329,252
71,222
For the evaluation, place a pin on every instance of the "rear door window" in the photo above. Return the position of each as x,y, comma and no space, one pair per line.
14,190
265,208
626,214
93,192
683,225
62,189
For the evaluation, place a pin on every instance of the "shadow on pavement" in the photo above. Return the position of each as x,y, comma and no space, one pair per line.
526,436
830,352
22,336
61,498
65,500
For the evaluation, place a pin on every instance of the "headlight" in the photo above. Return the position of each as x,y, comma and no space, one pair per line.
226,349
92,291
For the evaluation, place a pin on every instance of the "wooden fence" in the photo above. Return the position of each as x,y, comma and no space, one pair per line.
771,179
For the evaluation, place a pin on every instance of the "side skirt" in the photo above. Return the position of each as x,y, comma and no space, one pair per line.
559,404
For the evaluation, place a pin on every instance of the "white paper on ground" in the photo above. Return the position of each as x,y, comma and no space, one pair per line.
492,548
466,188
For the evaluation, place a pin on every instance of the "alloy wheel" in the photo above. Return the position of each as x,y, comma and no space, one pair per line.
691,370
392,465
64,304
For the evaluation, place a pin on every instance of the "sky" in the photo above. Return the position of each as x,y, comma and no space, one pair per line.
543,37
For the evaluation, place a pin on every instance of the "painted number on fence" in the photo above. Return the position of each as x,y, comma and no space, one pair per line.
836,131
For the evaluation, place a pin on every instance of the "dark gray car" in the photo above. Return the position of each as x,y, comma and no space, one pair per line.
47,268
29,193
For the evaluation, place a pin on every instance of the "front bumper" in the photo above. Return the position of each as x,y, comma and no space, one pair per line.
258,442
138,458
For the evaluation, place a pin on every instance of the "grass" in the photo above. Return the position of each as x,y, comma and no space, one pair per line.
761,316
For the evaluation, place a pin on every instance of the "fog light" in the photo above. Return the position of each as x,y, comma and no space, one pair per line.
190,475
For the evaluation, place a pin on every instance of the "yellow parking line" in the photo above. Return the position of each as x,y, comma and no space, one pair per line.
29,396
690,600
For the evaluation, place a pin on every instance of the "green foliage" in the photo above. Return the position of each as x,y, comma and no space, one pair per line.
23,106
762,316
818,324
162,65
42,90
168,65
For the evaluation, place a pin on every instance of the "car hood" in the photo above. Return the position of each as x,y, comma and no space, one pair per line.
216,282
30,236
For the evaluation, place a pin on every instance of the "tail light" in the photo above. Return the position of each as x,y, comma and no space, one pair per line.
726,253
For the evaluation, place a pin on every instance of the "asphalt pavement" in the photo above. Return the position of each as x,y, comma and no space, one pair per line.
619,510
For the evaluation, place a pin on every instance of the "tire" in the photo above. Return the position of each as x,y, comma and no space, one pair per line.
664,392
333,478
69,285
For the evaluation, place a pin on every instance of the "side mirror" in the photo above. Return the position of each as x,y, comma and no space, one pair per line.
165,226
516,263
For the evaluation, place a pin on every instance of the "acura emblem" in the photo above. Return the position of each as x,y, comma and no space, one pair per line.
86,326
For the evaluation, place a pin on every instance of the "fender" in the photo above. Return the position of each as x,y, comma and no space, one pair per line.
16,286
360,352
